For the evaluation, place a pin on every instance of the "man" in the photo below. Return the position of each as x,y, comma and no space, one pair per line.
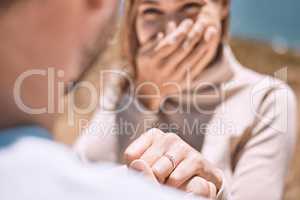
42,39
38,35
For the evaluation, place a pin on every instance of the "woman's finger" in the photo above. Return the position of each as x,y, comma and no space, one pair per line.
195,34
201,187
142,166
140,145
212,43
213,190
183,58
171,27
153,153
159,148
185,69
184,27
169,161
172,62
183,172
162,168
195,165
195,63
152,43
173,41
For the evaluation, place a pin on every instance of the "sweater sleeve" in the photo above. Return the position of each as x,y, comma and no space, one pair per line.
262,165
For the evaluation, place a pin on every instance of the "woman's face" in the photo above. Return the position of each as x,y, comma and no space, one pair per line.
153,16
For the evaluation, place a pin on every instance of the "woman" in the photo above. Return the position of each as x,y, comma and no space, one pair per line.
231,130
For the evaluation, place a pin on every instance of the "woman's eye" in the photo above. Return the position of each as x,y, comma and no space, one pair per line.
191,8
151,14
152,11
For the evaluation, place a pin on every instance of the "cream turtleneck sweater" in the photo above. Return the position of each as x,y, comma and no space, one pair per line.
244,123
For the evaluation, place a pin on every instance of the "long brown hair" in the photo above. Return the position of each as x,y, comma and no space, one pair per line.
128,38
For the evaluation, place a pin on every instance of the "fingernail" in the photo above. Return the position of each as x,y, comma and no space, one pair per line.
210,33
198,28
184,28
171,26
187,22
129,152
160,35
138,165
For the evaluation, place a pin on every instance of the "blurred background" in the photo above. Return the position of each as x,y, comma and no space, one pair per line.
274,21
266,37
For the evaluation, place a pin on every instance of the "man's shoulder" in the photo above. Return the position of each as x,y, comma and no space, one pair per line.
9,136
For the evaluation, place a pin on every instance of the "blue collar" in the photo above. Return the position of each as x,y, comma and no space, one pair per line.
12,135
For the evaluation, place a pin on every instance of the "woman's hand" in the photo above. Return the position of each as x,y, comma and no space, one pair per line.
175,163
172,62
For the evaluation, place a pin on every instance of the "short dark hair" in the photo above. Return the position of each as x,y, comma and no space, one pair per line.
6,3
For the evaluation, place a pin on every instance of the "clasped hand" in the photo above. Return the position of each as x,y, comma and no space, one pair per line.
167,159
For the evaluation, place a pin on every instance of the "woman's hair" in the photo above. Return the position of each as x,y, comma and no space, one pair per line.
129,40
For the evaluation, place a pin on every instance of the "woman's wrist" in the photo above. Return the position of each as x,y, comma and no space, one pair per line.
150,104
150,97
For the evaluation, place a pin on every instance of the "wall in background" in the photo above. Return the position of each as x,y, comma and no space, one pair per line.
275,21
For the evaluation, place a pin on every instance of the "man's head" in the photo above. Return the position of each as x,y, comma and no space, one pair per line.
39,34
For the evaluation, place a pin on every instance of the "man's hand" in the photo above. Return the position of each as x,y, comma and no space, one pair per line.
175,163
